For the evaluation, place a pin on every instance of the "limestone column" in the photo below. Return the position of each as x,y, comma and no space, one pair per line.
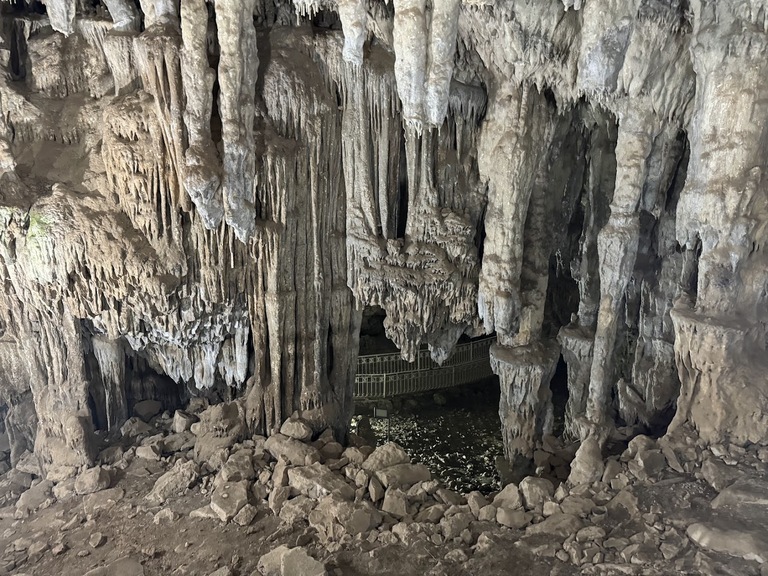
577,339
720,334
617,248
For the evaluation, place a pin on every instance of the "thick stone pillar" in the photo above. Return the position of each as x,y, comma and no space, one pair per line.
617,248
720,334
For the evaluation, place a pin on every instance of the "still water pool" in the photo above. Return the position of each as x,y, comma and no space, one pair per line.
456,433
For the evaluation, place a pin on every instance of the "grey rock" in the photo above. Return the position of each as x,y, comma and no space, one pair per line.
134,427
297,509
174,482
147,409
375,490
148,452
403,475
92,480
292,450
508,498
487,513
239,466
182,421
270,563
476,502
453,526
96,540
731,537
718,474
331,451
123,567
743,494
587,465
277,498
395,503
38,496
297,429
536,491
557,526
647,464
246,515
514,519
229,498
385,456
316,481
432,513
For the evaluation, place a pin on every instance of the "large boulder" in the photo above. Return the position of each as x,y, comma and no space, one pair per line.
587,465
508,498
536,491
182,421
220,427
147,409
558,526
403,475
297,429
317,480
92,480
284,561
389,454
229,498
732,537
295,452
174,482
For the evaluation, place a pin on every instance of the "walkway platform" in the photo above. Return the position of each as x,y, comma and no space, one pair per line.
386,375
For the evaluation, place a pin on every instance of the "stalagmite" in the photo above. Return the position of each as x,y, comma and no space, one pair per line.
719,327
617,249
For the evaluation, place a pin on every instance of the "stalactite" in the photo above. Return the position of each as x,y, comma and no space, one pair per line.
509,161
201,175
62,15
237,82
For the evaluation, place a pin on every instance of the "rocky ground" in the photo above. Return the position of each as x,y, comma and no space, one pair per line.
189,493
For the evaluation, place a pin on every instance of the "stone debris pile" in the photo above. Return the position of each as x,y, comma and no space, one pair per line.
360,497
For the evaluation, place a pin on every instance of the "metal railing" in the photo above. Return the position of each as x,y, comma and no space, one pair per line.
384,375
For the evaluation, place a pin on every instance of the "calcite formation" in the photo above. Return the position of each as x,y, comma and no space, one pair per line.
202,197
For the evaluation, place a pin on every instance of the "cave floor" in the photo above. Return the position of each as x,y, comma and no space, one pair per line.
644,529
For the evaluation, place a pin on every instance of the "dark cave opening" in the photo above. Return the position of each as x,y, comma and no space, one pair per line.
559,387
401,215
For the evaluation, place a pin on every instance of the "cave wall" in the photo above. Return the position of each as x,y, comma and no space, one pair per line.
216,190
